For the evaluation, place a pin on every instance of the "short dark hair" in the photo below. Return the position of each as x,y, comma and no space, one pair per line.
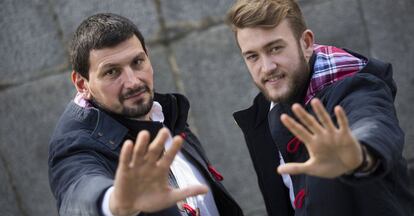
96,32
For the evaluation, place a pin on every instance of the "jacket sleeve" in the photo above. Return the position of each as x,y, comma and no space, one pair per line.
369,105
78,175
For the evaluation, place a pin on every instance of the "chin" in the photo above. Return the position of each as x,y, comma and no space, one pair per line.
273,95
277,98
271,98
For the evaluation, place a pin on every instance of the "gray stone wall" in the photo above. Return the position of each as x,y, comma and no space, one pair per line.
193,52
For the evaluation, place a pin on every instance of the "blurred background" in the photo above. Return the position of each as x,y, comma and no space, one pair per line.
193,52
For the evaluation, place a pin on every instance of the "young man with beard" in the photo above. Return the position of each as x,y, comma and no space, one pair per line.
324,120
103,157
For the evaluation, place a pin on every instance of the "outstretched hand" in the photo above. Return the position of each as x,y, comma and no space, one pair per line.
141,180
333,151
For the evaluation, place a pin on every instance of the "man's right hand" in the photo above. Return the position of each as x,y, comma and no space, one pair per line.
141,180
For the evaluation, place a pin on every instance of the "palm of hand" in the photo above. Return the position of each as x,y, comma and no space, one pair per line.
141,180
333,151
142,186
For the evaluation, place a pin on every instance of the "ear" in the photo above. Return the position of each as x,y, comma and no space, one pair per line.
307,41
81,84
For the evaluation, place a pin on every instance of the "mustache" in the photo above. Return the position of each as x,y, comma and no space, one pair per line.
272,74
135,90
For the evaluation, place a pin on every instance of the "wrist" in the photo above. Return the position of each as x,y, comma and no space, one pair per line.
368,161
120,209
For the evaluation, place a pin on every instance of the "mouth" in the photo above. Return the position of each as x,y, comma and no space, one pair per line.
135,93
274,78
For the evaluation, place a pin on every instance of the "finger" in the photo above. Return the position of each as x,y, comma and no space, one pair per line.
322,114
157,145
125,155
297,129
170,154
140,148
342,119
194,190
307,119
293,168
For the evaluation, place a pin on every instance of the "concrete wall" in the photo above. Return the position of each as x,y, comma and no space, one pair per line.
193,52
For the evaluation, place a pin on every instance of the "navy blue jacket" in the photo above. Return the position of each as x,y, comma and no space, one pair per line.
367,98
84,151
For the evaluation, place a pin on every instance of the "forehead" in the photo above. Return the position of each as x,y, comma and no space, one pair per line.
116,54
250,39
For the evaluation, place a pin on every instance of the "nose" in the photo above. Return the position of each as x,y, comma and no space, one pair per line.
268,65
130,78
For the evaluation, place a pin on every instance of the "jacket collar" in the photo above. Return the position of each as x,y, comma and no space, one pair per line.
112,129
256,114
175,108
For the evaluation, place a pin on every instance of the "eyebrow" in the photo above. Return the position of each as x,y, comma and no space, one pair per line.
112,65
269,44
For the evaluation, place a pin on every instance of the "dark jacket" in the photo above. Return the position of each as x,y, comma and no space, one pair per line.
367,98
84,151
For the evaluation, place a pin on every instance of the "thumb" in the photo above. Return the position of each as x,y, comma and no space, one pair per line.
180,194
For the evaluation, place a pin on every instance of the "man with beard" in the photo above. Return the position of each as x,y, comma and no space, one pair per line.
323,133
107,153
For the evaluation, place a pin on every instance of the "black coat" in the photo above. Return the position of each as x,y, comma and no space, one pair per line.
367,98
84,151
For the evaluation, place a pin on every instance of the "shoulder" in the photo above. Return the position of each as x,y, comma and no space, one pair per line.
358,90
75,118
85,129
380,69
362,82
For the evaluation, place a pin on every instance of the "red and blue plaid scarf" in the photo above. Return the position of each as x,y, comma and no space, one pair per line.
331,64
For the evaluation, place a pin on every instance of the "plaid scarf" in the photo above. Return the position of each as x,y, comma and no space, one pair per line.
331,64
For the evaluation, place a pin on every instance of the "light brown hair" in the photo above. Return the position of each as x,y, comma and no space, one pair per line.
266,14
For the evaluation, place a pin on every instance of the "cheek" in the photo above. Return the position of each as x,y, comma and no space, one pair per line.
111,91
148,78
255,77
254,72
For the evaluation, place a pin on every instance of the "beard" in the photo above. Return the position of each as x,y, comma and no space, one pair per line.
296,84
138,109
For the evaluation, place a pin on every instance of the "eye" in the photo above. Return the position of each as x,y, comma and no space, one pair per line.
113,72
275,49
252,57
137,61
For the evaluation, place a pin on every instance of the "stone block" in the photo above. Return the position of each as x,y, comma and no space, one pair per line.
29,41
29,114
9,202
72,13
337,22
163,78
217,83
193,10
390,35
